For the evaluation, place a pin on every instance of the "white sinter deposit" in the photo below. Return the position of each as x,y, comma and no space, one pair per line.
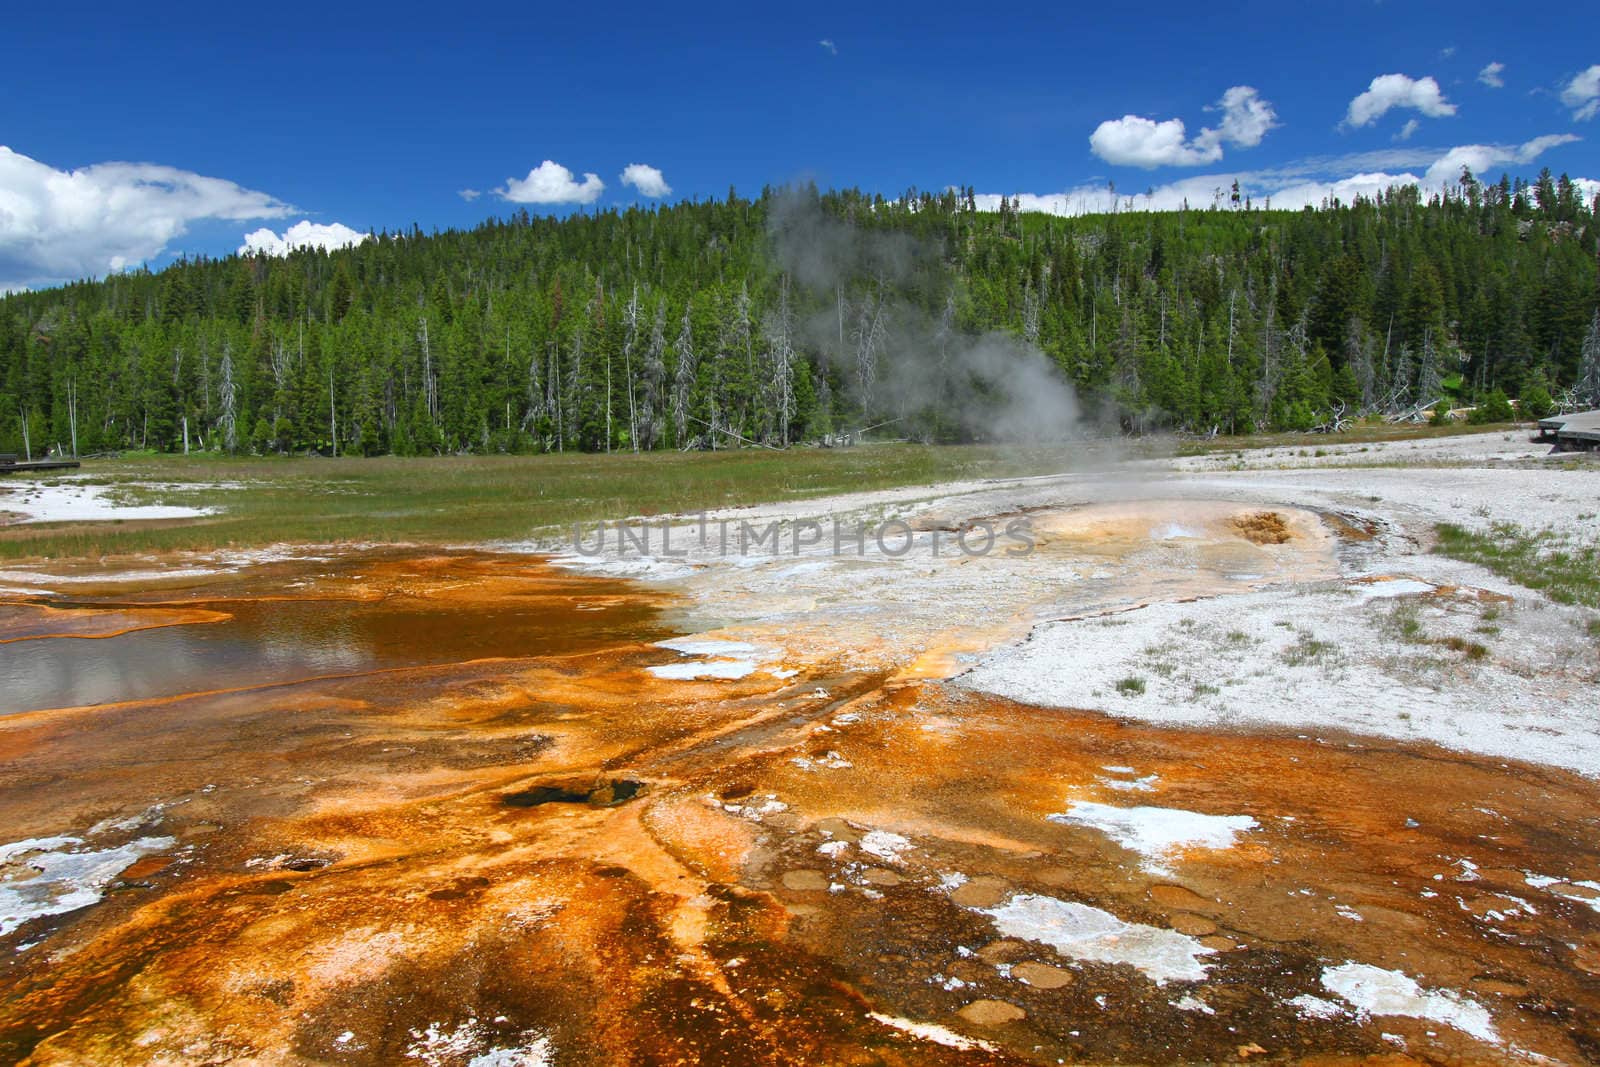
1081,932
1143,600
1159,835
66,501
48,876
1375,991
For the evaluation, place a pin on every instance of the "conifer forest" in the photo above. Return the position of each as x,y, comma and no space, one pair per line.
800,314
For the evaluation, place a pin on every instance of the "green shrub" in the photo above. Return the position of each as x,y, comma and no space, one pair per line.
1494,408
1536,403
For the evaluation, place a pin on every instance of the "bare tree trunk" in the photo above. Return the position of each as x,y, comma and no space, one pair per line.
683,379
333,415
72,413
780,337
631,317
230,415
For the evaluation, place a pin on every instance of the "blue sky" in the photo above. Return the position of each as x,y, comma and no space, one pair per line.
373,117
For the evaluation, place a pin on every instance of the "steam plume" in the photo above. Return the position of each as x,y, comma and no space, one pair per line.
886,318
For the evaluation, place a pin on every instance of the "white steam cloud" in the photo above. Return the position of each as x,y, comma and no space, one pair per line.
901,362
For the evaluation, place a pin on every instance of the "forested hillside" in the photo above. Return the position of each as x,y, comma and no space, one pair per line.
798,314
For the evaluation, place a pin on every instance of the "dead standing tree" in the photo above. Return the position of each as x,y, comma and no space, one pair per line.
780,340
230,402
630,340
654,375
683,380
869,336
1587,387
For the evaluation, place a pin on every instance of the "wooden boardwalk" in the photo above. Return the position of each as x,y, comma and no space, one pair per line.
1577,432
10,464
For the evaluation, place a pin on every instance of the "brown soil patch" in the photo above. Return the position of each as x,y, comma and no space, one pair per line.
1004,951
981,892
992,1013
805,881
1043,975
1349,528
1176,896
1193,925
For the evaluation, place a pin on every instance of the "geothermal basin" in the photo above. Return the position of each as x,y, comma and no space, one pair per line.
1160,791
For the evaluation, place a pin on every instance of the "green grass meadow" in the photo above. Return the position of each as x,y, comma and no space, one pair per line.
457,499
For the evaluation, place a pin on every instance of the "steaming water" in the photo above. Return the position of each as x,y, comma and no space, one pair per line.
276,641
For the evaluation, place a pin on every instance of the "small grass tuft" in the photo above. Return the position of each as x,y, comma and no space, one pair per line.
1471,649
1562,568
1131,686
1307,650
1404,624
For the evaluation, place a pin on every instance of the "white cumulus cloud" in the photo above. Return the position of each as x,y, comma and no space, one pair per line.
1139,142
1134,141
1389,91
1490,75
1411,127
1309,183
1479,158
1582,94
646,179
1246,117
60,225
551,183
469,195
303,234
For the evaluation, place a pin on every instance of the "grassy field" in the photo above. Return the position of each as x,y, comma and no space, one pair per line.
470,499
459,499
1564,569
